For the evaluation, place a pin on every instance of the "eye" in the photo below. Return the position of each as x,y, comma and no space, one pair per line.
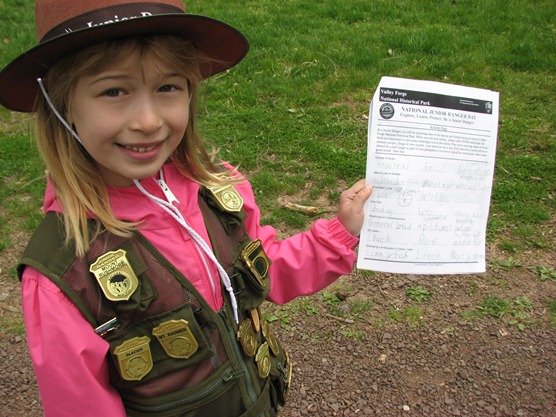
168,88
112,92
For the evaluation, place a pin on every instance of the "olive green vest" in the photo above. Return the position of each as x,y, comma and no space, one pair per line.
170,353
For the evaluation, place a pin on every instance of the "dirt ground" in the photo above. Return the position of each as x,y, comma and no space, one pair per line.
359,349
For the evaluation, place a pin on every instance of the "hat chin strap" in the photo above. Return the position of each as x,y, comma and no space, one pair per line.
56,112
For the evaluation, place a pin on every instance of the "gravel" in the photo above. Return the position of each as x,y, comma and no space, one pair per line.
447,362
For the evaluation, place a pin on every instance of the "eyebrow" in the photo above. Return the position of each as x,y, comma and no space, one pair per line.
108,77
114,77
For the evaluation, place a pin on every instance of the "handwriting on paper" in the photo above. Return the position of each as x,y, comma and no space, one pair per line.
430,159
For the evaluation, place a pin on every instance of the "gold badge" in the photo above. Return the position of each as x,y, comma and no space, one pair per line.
263,361
256,260
270,338
228,198
134,358
289,365
255,319
247,338
115,276
176,338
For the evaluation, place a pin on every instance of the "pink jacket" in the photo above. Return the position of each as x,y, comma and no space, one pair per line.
70,359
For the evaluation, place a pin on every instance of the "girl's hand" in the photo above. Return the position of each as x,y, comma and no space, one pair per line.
350,212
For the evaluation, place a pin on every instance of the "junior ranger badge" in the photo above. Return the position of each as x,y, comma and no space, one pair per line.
134,358
247,338
270,338
228,198
176,338
115,275
263,361
255,317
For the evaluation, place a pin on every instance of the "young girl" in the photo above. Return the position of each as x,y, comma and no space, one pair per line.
142,286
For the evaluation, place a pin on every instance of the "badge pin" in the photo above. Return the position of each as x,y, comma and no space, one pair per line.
176,338
134,358
228,198
270,338
115,275
263,361
247,338
107,327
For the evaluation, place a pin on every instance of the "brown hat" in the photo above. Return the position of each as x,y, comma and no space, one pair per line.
65,26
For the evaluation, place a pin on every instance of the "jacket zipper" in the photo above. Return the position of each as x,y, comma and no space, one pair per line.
239,358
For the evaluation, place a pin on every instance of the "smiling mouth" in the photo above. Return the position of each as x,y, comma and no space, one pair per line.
140,148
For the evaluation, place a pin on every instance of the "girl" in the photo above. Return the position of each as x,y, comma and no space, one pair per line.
142,286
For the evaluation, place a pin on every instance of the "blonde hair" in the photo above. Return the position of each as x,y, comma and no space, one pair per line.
77,182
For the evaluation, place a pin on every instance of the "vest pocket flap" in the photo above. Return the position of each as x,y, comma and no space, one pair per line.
157,346
252,282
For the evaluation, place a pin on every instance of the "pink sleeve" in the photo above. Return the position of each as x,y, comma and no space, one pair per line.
306,262
68,357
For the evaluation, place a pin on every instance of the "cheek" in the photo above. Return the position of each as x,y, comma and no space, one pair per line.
180,121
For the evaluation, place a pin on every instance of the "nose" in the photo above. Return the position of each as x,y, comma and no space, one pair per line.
146,116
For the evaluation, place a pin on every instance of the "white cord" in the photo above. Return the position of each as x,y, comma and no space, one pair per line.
56,112
176,214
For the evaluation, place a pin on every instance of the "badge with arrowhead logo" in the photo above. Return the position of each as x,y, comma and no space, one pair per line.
115,275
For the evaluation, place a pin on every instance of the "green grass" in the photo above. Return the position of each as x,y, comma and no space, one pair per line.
418,293
412,316
545,273
551,304
294,109
517,310
292,115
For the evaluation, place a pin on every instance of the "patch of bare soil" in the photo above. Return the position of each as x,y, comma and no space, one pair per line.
445,362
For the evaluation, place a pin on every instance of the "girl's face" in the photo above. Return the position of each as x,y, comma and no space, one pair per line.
131,116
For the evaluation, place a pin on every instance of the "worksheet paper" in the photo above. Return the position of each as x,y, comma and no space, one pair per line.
430,158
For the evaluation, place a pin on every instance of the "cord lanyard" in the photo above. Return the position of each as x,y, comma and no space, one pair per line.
173,211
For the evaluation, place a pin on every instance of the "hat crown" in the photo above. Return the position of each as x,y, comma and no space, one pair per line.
52,14
66,26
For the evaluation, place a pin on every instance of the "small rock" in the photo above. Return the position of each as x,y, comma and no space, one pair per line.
490,409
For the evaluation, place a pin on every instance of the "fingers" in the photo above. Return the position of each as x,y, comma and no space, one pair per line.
352,201
357,194
356,188
365,192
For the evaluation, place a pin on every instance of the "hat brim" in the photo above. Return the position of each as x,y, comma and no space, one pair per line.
216,40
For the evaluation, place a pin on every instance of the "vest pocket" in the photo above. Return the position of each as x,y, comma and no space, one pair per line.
217,395
280,369
280,378
156,346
